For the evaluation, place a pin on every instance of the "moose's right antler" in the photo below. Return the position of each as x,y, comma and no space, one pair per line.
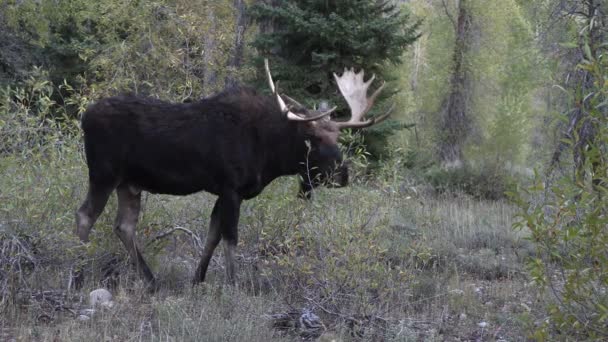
354,90
283,106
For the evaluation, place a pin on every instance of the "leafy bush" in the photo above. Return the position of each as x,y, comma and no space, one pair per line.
569,232
175,50
483,182
335,259
569,227
30,120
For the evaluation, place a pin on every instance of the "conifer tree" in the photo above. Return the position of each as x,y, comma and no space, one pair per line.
307,40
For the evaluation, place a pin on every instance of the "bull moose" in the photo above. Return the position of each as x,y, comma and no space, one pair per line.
231,144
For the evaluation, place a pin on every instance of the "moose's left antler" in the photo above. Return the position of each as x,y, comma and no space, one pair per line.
354,90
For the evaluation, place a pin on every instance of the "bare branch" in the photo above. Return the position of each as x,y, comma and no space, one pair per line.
196,240
447,12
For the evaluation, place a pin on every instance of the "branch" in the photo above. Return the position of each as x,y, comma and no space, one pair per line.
327,311
447,12
196,240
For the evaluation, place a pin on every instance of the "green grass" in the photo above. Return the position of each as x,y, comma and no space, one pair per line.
374,261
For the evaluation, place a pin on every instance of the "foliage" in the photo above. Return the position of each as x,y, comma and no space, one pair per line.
506,73
312,39
178,51
481,181
38,160
342,266
16,55
175,50
568,227
31,122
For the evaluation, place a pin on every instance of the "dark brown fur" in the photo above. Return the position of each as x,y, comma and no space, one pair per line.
232,145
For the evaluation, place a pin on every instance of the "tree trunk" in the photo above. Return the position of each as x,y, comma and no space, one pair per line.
209,43
454,121
236,59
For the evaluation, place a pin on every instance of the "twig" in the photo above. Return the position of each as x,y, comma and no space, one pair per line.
317,304
196,240
447,12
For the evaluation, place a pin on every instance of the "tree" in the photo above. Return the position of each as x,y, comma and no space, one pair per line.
454,124
473,81
309,40
241,25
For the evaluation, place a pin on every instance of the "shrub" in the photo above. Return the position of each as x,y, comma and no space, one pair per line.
336,258
569,228
26,112
481,182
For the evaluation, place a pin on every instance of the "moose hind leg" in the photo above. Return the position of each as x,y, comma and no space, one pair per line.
91,208
129,203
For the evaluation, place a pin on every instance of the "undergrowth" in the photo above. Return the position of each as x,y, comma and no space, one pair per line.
382,259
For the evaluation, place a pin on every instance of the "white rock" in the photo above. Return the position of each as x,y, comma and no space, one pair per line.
83,318
463,316
99,296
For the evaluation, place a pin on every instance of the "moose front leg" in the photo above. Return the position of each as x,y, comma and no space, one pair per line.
213,238
229,221
223,225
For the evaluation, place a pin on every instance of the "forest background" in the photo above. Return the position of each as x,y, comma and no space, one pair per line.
477,213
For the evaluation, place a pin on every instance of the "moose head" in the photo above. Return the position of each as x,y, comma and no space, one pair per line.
324,164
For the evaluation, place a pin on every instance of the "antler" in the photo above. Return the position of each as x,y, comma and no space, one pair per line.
354,90
283,106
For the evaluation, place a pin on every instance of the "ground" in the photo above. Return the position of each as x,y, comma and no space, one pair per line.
383,261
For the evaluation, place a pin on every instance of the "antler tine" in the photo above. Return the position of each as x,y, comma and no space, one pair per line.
367,123
289,99
283,106
295,117
270,82
372,98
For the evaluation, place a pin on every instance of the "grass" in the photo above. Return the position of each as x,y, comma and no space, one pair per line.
380,261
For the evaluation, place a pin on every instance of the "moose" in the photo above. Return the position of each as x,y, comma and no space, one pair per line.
231,145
